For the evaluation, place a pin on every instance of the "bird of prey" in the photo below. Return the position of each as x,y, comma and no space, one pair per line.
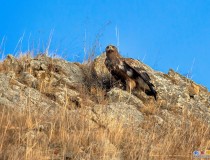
122,70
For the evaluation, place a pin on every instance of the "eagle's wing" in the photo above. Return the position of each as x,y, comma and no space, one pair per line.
136,72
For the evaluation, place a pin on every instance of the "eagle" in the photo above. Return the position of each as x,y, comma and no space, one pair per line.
129,76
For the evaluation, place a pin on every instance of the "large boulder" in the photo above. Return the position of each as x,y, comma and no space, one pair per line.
115,114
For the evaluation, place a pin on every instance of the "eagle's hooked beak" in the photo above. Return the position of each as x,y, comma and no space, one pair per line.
109,48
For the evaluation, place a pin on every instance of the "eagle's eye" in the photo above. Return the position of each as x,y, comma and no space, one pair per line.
108,47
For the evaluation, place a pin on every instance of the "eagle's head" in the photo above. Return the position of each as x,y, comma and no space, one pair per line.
110,49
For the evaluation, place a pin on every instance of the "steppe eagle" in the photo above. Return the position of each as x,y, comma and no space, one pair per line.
122,70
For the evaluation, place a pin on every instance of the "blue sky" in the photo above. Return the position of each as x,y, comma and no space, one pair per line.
163,34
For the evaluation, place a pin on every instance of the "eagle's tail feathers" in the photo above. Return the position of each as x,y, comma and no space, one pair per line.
152,91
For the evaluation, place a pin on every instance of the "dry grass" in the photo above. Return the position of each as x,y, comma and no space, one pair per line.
25,136
71,134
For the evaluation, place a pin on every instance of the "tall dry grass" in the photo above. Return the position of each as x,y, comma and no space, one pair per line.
69,135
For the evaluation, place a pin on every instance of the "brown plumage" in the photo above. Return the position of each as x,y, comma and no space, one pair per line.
122,70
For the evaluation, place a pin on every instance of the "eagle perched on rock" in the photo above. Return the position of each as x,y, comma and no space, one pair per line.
121,70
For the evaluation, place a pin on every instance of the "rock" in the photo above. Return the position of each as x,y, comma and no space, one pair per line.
99,66
117,113
119,95
29,80
71,71
193,89
5,102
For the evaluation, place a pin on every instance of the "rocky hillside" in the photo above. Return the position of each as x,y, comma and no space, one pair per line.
54,109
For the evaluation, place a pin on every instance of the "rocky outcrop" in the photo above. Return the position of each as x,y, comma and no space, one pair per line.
176,93
48,88
47,84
